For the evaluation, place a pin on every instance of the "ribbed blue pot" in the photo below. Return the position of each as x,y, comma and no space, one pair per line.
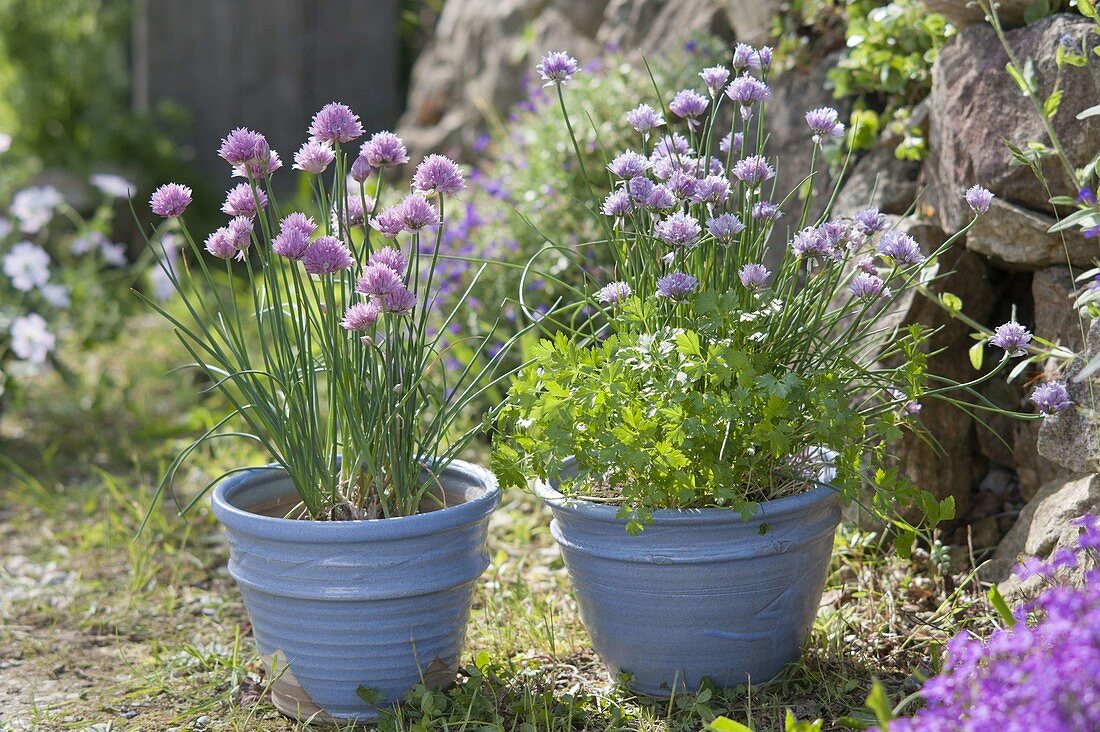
698,593
336,605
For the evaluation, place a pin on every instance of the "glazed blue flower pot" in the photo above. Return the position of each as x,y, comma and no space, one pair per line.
339,605
698,593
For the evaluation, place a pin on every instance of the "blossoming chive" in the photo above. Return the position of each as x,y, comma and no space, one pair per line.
644,118
613,293
418,214
240,200
335,123
679,230
384,150
1011,337
1051,398
715,77
389,222
725,228
398,301
220,244
745,57
377,280
754,276
866,286
557,67
676,286
314,157
170,200
689,105
438,174
753,170
327,255
901,248
823,123
361,316
244,147
628,165
978,199
617,204
389,257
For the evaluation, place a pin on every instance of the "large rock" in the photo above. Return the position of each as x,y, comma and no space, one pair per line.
1056,320
976,106
752,20
1071,439
1044,526
654,26
1016,238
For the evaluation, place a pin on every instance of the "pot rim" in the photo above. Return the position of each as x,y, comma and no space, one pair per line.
768,510
397,527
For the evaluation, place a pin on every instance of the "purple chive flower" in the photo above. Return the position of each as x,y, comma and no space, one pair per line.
732,143
220,244
291,242
390,222
240,201
868,266
170,200
327,255
240,232
644,118
765,57
640,189
689,105
747,90
557,67
811,242
361,316
672,146
754,276
389,257
715,77
1012,337
978,199
745,57
384,150
438,174
378,279
354,212
725,228
418,214
869,221
823,122
676,286
1051,398
613,293
660,198
835,232
298,221
628,165
245,147
901,248
679,230
681,184
866,286
259,169
399,300
313,157
617,204
766,211
360,170
753,170
335,123
1086,196
713,189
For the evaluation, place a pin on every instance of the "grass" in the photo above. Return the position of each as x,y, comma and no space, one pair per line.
102,632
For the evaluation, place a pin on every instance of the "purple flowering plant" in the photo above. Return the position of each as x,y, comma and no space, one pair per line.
324,334
716,371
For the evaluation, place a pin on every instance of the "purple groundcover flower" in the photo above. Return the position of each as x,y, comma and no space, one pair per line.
1086,196
901,248
689,105
823,122
1012,337
1051,397
676,286
753,170
617,204
399,300
754,276
244,147
335,123
389,257
240,201
866,286
384,150
377,280
557,67
628,165
725,228
313,157
1092,232
170,200
679,230
713,189
361,316
327,255
745,56
715,77
869,221
613,293
766,211
978,199
644,118
418,214
438,174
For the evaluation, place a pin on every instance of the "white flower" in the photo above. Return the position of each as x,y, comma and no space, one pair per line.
113,254
5,227
27,265
55,294
112,185
87,242
34,207
30,340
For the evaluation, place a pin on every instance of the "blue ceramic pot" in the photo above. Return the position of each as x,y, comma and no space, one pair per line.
336,605
698,593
